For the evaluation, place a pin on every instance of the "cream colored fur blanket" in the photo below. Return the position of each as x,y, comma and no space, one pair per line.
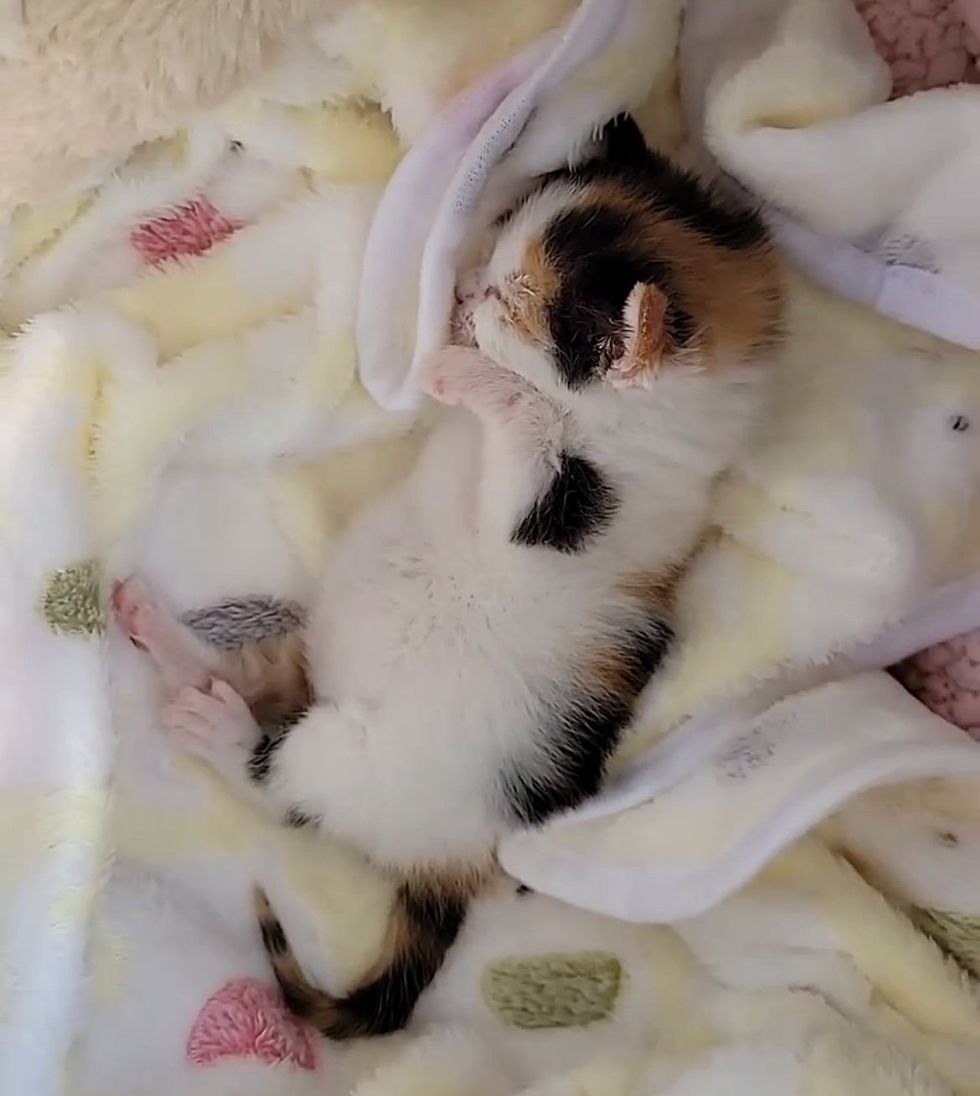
179,403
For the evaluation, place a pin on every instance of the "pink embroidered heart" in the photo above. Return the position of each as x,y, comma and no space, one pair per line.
191,229
247,1019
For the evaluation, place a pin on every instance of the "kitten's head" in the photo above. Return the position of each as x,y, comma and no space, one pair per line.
611,272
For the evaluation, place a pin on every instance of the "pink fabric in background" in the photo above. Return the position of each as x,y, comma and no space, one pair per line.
247,1019
946,678
927,43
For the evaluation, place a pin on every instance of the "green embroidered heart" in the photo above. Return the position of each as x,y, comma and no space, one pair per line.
568,989
72,600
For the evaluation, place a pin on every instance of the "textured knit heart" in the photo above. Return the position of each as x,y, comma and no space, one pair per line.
190,229
247,1019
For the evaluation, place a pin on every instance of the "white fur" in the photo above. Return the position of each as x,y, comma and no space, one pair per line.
434,637
440,648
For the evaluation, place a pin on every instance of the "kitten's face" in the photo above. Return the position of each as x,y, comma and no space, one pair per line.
536,306
592,281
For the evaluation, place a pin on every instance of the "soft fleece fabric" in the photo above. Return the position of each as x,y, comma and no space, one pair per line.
874,195
927,43
185,416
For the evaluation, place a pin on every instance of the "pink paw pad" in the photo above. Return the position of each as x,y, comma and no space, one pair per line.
247,1019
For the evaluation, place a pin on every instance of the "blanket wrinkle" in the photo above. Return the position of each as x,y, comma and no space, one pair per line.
185,393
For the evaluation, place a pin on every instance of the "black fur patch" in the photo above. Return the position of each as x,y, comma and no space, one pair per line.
577,505
298,1000
260,763
576,744
273,736
435,915
670,189
432,919
729,226
274,937
387,1003
594,249
298,819
624,144
597,254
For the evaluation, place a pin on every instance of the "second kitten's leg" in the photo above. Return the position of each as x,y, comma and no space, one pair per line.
523,430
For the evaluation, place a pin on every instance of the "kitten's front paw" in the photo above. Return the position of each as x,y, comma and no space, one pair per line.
454,373
458,375
213,722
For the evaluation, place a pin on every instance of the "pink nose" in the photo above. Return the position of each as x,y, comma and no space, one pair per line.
491,292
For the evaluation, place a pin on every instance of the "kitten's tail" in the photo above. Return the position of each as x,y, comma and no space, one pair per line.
425,921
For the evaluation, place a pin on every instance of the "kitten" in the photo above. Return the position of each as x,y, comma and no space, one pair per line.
483,630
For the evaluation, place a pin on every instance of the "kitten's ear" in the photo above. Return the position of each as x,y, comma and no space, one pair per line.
624,142
644,337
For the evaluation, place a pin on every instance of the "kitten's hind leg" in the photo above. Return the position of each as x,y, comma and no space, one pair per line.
523,431
182,658
316,769
338,768
216,724
269,673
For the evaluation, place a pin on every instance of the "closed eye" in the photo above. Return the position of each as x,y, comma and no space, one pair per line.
520,308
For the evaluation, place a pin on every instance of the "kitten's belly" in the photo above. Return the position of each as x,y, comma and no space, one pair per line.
416,615
453,655
415,608
430,655
409,591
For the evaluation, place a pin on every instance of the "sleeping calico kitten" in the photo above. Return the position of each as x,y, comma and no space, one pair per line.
484,629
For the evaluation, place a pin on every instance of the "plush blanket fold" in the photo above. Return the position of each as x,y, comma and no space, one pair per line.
208,368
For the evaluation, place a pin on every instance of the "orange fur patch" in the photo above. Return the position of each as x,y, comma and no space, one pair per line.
612,671
412,942
271,675
655,590
457,884
529,298
735,296
613,667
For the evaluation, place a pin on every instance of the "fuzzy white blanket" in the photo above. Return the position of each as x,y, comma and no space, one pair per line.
196,414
